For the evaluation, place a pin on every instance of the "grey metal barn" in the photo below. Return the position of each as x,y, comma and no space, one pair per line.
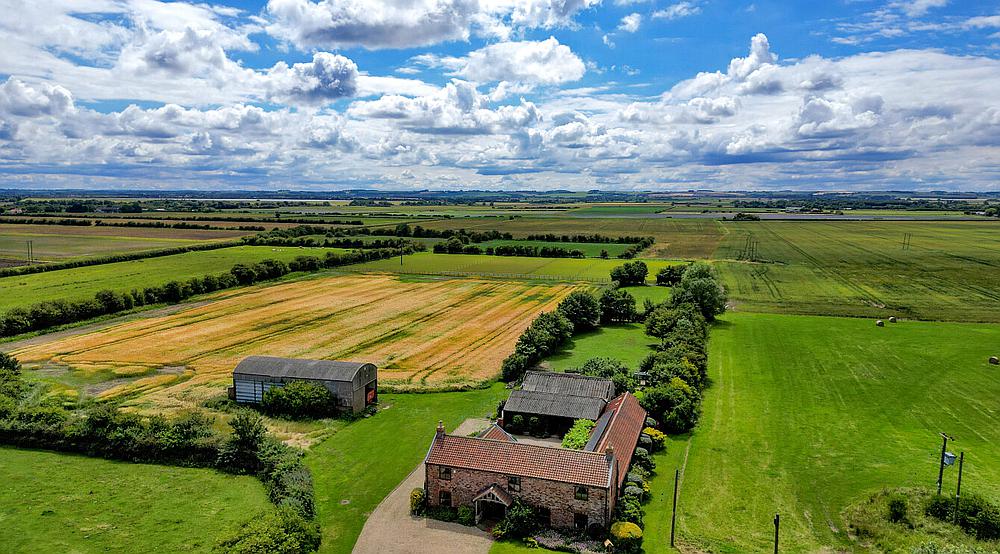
355,384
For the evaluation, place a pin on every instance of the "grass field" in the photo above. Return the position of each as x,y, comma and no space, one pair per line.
808,415
948,272
83,282
589,249
627,343
364,462
568,269
60,242
420,332
53,502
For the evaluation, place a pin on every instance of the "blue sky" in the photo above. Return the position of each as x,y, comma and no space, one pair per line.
501,94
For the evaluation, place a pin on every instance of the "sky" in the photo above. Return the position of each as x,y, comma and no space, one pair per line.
644,95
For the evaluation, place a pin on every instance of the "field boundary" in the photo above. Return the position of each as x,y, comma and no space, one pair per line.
518,276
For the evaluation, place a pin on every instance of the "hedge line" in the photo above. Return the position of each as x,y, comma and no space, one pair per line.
80,222
114,258
58,312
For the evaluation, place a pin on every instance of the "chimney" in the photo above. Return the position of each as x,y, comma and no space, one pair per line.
440,428
610,453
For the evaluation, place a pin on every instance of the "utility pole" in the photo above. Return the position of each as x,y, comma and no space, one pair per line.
673,514
958,491
944,447
31,255
777,524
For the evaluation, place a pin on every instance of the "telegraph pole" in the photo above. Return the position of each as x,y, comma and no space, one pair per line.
777,524
944,446
673,514
958,491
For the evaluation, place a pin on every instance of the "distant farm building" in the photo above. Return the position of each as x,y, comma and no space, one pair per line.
559,399
567,488
355,384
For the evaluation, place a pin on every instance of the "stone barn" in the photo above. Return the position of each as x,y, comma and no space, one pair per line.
355,384
558,399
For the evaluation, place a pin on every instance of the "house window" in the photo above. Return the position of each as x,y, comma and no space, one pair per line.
444,473
580,521
514,484
444,498
543,516
581,493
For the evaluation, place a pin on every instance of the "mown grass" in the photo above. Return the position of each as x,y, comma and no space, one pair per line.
569,269
627,343
360,465
589,249
83,282
52,502
809,415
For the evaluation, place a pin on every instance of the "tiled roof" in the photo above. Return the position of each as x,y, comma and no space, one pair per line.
323,370
622,431
496,433
552,404
497,491
525,460
568,384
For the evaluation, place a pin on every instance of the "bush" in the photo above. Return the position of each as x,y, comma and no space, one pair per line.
281,532
634,491
658,438
418,501
519,522
241,452
642,459
536,426
976,516
897,508
578,435
299,399
626,536
610,368
466,516
629,509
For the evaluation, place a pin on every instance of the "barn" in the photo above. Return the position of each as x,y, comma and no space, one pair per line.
355,384
558,399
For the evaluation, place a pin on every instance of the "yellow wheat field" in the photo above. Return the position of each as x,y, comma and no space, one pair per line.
421,333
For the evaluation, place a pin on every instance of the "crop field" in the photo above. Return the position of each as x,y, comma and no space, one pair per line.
809,415
567,269
60,242
421,333
83,282
948,271
54,502
589,249
675,238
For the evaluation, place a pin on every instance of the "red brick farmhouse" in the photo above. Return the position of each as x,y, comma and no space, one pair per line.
567,488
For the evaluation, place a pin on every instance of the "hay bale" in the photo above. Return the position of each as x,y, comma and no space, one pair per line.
994,360
880,323
892,319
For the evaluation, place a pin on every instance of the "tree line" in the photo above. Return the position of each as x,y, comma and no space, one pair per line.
44,315
30,418
114,258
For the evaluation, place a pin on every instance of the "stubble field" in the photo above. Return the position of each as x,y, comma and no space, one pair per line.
422,333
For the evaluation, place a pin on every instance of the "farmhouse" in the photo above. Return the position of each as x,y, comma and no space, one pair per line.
567,488
355,384
558,399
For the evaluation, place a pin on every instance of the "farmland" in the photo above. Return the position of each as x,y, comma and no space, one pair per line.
420,332
808,415
65,503
589,249
569,269
61,242
83,282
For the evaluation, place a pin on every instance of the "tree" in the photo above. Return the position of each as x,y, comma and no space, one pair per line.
630,274
11,384
610,368
670,275
675,403
241,452
699,286
617,306
582,309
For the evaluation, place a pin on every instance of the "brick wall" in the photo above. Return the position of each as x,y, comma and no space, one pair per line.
558,497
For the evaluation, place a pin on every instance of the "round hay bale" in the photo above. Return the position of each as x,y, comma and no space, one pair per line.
892,319
994,360
880,323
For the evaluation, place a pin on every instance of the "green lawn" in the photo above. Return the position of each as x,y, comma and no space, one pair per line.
652,293
627,343
808,415
52,502
591,269
359,465
83,282
589,249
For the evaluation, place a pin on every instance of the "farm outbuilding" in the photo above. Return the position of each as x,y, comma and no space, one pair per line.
558,399
355,384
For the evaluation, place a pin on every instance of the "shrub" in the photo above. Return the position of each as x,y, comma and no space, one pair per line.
626,536
418,501
300,399
976,516
629,509
657,439
610,368
281,532
642,459
897,508
578,435
634,491
466,516
536,426
241,452
519,522
516,424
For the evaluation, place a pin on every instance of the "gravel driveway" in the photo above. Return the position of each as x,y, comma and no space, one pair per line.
391,529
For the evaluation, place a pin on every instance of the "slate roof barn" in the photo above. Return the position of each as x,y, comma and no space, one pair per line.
355,384
560,398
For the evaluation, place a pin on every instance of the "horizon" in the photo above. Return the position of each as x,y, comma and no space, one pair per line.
620,96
